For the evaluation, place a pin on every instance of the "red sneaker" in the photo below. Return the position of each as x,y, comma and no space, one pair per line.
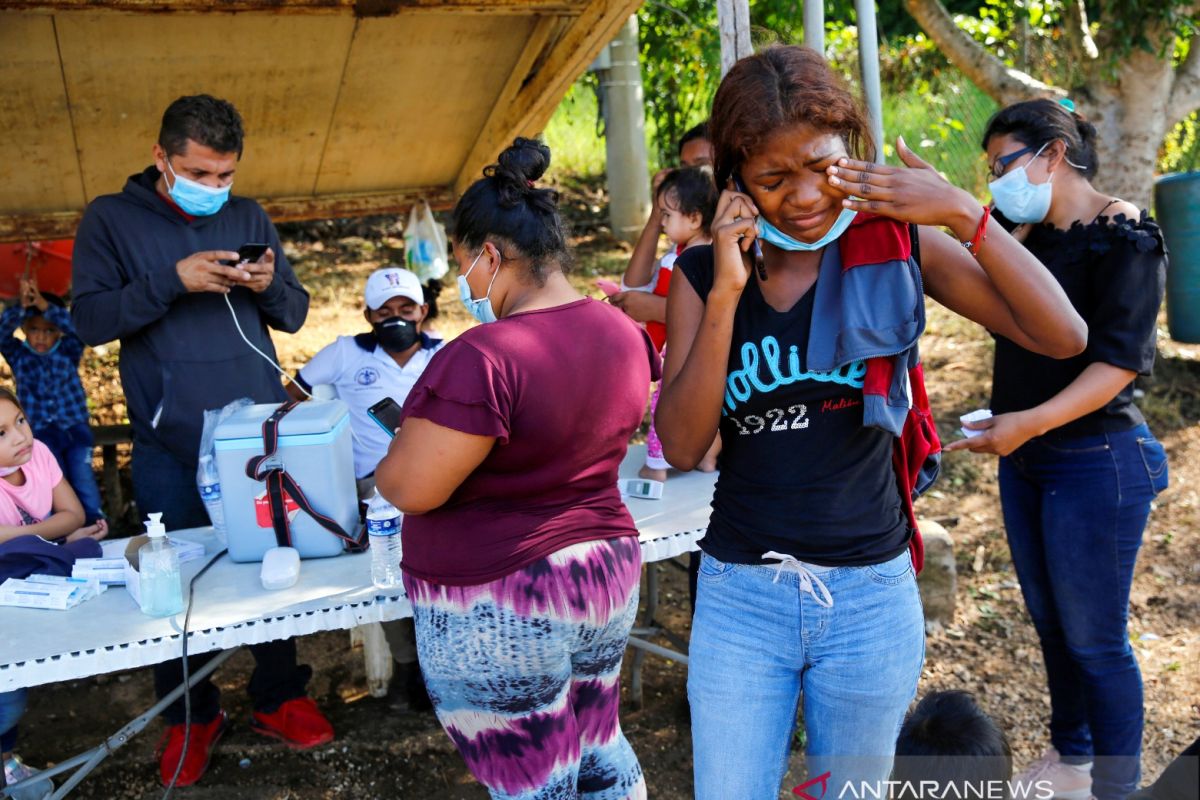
202,741
298,723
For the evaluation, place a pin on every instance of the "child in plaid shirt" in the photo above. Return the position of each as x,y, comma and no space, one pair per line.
46,369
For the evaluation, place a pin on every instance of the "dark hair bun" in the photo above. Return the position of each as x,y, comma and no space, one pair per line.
522,163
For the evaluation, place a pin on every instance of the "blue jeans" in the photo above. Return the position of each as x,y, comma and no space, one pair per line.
764,638
12,706
73,448
161,482
1075,510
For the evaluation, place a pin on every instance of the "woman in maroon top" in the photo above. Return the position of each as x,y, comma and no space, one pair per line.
520,560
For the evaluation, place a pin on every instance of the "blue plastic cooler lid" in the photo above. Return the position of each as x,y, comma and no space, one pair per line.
313,418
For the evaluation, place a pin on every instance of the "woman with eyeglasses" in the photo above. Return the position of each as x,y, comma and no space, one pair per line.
1078,466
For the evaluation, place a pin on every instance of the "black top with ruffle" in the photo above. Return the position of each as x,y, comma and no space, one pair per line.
1114,272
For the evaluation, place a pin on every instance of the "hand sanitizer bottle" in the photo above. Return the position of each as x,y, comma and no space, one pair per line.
161,587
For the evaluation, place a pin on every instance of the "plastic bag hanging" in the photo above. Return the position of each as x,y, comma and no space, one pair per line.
425,249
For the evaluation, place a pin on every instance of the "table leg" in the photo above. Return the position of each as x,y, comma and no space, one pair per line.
377,658
114,497
647,628
89,760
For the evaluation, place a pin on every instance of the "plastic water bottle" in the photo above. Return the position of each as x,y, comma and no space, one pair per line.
383,528
160,584
210,492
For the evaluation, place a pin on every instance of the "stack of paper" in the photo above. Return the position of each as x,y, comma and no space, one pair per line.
108,571
48,591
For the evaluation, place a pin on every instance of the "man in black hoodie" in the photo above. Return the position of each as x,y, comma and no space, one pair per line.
148,270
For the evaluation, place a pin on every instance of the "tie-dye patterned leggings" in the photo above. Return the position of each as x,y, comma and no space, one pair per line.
524,672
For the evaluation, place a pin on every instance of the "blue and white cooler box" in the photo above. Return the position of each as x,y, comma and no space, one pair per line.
315,448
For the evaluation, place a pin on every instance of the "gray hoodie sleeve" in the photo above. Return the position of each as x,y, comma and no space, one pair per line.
108,303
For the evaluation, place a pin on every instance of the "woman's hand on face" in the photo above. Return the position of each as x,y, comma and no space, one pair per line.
1001,435
733,234
913,193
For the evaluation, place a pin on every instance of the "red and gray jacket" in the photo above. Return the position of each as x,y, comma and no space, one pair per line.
872,308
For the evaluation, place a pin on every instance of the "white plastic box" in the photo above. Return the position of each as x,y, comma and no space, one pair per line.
315,448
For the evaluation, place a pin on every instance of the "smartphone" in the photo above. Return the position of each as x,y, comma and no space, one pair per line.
760,265
252,251
386,414
249,252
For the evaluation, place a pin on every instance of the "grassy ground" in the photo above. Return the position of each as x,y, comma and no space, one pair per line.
990,648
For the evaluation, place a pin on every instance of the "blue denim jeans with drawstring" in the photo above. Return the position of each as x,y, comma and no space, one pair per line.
1075,510
847,642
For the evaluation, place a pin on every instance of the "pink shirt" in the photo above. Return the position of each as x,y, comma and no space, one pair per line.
42,474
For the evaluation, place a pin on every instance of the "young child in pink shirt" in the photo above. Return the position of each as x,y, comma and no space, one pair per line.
34,498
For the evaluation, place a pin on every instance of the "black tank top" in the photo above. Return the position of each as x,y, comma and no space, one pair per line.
800,474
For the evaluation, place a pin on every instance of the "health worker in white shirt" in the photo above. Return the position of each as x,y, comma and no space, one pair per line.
363,370
368,367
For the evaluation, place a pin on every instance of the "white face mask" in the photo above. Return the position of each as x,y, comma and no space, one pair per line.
1018,198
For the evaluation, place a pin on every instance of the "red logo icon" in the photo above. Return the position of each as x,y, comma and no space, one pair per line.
802,789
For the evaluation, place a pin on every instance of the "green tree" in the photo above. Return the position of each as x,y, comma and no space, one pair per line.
681,51
1127,64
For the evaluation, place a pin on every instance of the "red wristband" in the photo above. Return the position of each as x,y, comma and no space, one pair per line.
980,234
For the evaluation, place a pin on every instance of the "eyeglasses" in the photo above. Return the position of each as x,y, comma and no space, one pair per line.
1001,165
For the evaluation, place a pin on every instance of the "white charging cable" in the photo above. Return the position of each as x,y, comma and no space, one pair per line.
278,368
266,357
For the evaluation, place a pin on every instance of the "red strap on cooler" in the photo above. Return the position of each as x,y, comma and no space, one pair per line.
280,486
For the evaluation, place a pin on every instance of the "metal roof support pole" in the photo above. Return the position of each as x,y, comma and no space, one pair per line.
814,25
733,18
868,62
625,135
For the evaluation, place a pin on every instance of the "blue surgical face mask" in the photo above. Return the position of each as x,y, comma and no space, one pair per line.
1018,198
196,198
480,309
53,347
769,233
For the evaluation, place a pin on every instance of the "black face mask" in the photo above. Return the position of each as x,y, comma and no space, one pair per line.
396,335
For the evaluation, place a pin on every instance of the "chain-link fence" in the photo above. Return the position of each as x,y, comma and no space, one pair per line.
941,117
945,129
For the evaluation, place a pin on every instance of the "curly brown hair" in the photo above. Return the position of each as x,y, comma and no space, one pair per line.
781,86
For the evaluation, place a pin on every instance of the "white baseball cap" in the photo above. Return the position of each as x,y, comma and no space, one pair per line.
389,282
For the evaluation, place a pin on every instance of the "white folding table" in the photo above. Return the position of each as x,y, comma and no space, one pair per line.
109,633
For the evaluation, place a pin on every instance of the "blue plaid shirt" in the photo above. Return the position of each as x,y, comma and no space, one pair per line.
48,384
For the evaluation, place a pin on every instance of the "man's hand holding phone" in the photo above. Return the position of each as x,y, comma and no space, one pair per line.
252,266
261,269
208,271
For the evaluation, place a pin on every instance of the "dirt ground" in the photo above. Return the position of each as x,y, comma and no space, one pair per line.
990,649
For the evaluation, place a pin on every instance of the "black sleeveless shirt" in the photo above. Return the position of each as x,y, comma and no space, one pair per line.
799,474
